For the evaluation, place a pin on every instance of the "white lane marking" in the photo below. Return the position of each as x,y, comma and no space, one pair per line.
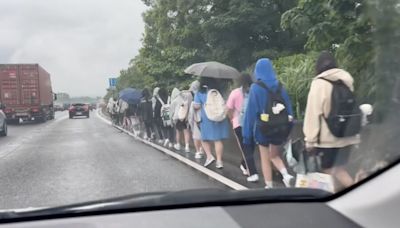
224,180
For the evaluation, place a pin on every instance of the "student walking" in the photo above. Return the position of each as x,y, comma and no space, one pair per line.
157,121
181,101
214,125
194,119
267,120
146,113
236,106
163,113
323,137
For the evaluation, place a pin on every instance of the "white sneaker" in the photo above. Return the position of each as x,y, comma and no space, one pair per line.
209,161
267,187
219,165
166,141
287,180
253,178
170,145
177,146
160,141
198,155
187,148
244,170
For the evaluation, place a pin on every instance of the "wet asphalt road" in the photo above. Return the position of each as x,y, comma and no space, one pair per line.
68,161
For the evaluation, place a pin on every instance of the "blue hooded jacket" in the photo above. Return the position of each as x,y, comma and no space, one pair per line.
258,97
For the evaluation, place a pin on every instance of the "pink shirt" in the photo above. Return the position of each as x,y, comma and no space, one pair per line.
235,102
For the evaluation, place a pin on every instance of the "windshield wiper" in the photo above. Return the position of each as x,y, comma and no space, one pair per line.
161,200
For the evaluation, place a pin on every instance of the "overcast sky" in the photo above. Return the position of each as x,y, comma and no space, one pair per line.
81,43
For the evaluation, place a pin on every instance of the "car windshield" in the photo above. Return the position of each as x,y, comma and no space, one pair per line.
102,99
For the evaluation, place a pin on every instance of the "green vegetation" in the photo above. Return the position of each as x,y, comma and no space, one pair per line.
363,35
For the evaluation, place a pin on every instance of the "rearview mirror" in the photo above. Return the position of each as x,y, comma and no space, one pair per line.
55,96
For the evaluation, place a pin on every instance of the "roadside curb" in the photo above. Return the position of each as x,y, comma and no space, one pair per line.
216,176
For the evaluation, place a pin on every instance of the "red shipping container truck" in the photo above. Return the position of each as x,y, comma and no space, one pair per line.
26,92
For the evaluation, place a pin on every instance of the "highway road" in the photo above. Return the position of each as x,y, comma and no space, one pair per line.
65,161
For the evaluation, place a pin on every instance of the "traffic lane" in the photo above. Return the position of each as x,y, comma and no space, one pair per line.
20,133
82,159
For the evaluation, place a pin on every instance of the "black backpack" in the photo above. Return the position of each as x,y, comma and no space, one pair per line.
344,119
277,126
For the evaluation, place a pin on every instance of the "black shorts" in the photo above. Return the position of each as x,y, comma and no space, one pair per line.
332,157
181,125
275,142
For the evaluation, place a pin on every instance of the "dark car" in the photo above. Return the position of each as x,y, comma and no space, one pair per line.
78,109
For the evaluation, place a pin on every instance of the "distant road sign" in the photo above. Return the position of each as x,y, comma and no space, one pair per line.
112,82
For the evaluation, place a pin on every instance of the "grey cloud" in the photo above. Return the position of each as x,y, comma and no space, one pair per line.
81,43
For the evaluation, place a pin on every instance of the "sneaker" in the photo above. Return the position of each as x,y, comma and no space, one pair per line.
187,149
198,155
253,178
160,141
177,146
166,142
209,161
267,187
288,181
244,170
170,145
219,165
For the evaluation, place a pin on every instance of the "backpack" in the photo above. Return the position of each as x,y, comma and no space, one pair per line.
165,112
214,106
274,121
345,117
183,107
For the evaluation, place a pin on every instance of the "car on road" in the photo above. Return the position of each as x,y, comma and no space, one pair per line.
3,122
58,108
78,109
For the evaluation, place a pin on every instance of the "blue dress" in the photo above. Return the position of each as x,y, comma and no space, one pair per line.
210,130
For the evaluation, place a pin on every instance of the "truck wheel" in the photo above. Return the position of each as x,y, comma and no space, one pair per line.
52,117
42,119
4,132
